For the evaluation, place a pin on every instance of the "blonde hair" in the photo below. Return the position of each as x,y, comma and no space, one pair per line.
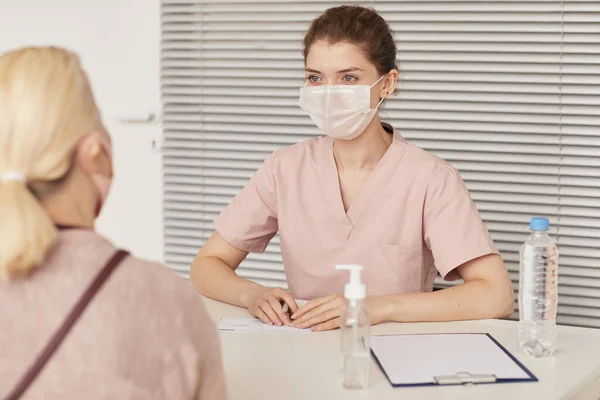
46,106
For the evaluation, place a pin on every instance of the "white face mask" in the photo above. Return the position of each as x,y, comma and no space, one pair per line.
339,111
102,183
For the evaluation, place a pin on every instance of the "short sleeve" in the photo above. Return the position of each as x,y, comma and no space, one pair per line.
453,229
249,222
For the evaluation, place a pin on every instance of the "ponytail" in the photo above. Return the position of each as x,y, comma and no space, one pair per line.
26,230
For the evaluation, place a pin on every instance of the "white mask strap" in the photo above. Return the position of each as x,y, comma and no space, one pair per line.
377,81
13,176
380,101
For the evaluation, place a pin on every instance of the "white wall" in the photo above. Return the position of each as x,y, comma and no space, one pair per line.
119,43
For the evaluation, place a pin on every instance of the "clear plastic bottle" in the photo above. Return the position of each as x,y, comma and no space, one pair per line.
355,329
538,291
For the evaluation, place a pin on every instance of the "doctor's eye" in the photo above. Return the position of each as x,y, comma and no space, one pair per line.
349,78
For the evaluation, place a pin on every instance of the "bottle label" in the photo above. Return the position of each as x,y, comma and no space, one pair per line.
538,283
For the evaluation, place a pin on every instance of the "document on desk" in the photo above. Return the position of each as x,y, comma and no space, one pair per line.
441,359
254,325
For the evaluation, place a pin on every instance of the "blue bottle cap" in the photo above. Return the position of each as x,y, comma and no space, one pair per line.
539,224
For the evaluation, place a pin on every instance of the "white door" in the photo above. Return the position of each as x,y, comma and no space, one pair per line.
119,42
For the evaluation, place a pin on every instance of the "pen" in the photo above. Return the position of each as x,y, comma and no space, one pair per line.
286,308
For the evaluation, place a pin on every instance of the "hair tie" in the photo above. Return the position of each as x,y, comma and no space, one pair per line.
13,176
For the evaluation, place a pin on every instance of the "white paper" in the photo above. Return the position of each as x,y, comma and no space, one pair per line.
254,325
415,359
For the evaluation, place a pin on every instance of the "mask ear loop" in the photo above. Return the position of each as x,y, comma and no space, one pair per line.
383,98
377,81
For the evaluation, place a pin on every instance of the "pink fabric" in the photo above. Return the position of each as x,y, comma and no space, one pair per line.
146,334
412,218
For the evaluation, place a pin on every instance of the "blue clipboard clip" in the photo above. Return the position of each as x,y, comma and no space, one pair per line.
464,378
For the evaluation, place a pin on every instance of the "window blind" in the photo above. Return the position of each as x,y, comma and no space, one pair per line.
506,91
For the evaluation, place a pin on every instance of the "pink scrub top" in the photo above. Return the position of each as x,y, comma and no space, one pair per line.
413,218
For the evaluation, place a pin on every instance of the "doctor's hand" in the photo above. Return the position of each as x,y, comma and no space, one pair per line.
323,314
267,305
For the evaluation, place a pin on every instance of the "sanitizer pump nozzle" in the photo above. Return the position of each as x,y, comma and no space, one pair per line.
355,289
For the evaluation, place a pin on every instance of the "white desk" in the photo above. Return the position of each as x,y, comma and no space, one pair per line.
293,366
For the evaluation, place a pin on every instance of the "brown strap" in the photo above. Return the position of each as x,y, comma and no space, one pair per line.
66,326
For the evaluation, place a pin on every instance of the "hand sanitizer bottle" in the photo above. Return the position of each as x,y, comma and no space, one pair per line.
355,326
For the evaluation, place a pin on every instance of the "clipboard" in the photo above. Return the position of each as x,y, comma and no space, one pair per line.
446,359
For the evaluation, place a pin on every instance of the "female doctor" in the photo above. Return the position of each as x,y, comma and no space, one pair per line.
361,195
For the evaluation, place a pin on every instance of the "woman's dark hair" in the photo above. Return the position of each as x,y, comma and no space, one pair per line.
357,25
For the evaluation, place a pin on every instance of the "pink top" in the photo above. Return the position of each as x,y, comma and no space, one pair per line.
412,218
146,334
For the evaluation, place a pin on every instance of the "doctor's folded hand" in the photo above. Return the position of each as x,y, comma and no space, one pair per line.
324,313
266,304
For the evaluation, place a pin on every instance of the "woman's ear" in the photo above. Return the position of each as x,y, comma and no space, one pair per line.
94,154
389,84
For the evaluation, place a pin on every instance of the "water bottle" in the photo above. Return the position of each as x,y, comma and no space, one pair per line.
538,291
355,327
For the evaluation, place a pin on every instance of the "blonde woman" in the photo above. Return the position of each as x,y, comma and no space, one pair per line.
81,319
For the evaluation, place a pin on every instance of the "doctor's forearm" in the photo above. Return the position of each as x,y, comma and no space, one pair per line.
213,278
477,299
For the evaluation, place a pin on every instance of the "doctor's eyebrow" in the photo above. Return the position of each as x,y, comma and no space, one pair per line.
342,71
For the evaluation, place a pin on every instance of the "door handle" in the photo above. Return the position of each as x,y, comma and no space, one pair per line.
142,118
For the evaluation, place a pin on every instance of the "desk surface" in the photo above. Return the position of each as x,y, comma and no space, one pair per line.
290,366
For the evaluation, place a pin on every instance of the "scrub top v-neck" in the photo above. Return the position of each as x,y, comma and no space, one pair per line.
412,218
